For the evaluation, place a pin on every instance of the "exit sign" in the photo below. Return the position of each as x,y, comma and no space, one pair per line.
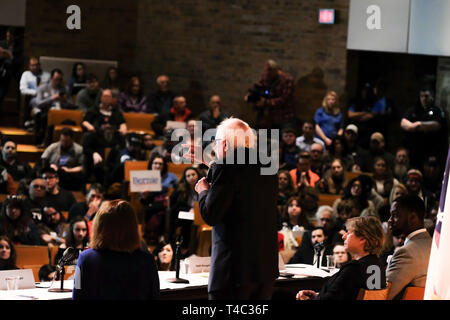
326,16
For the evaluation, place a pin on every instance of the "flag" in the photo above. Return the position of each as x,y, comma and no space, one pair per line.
438,277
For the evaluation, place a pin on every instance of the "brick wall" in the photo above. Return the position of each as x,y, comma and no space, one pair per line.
205,46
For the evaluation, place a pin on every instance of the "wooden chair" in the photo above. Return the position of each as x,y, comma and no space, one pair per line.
178,169
139,122
327,199
203,233
350,174
79,196
32,257
381,294
65,215
413,293
56,117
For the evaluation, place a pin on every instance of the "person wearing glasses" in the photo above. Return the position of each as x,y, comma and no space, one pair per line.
35,199
57,197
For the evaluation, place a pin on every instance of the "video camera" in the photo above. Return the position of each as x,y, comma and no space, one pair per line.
258,92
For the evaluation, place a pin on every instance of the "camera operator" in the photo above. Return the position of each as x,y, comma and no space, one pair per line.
273,97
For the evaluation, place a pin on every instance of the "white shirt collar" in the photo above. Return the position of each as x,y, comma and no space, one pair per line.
412,234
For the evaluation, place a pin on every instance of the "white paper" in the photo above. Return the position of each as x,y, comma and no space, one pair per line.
176,124
145,180
308,270
185,215
196,264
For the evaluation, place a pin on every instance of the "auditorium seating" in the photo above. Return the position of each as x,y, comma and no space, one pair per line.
413,293
57,117
32,257
139,122
178,169
380,294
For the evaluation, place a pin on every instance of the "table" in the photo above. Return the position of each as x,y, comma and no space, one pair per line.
196,289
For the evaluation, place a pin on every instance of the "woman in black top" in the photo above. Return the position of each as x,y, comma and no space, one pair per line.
364,240
7,254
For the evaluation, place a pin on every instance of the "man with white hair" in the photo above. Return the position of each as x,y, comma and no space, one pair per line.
161,100
241,205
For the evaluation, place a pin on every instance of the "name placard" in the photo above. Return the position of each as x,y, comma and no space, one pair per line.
145,180
176,124
196,264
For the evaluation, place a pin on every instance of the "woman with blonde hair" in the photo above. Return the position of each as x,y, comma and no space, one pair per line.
329,118
115,268
363,240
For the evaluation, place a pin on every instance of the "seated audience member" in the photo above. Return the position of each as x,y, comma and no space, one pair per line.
7,254
340,254
212,117
335,180
53,95
179,112
166,148
116,159
47,273
288,150
401,164
414,180
164,256
32,79
327,218
111,80
105,128
382,176
286,187
430,222
329,119
309,199
89,97
89,208
156,203
293,225
161,100
302,175
318,164
53,228
363,240
77,237
409,264
57,197
432,176
359,192
395,241
35,199
346,209
385,211
15,167
16,222
182,199
132,99
353,148
425,129
308,137
368,186
313,242
66,158
78,79
338,149
376,149
148,142
115,248
6,182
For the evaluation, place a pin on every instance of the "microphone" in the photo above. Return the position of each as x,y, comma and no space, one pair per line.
318,247
69,255
209,173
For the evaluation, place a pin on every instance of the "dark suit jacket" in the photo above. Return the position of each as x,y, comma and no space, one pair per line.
241,207
353,276
305,253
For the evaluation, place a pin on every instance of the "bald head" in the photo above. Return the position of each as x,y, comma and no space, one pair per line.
163,83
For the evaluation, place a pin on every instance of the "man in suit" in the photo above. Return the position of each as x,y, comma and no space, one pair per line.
409,264
307,252
241,205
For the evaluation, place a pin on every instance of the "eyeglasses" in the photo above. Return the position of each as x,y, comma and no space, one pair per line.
318,151
38,186
48,177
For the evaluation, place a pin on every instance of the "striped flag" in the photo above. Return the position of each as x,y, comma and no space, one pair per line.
438,278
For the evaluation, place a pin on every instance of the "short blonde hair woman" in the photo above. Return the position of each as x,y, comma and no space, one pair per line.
115,268
363,240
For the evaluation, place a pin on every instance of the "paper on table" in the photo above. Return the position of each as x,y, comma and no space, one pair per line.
307,270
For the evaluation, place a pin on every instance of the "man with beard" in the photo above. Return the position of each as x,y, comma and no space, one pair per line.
66,158
56,197
401,164
274,94
16,168
409,264
105,128
53,228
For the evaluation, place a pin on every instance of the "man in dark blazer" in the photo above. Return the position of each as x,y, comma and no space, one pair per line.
240,203
307,253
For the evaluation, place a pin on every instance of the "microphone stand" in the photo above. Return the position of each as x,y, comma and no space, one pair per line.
177,278
69,255
61,289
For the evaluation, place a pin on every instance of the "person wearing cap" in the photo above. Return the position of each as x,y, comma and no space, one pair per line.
377,145
414,181
66,158
308,137
353,147
117,157
425,129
